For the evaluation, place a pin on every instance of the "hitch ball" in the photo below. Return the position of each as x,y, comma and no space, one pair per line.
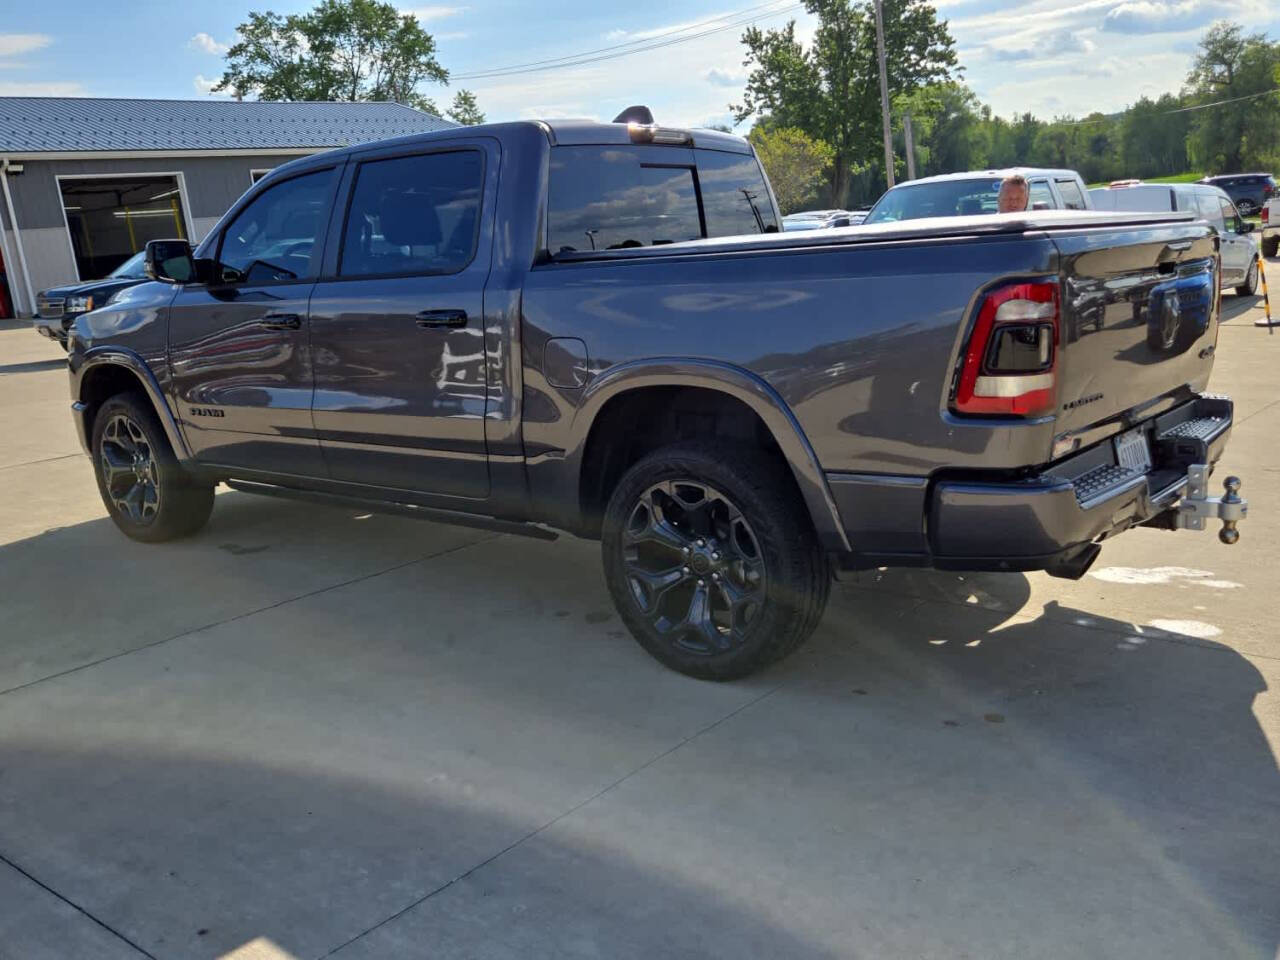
1229,534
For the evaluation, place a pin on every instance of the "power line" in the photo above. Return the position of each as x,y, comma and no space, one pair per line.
670,38
1165,113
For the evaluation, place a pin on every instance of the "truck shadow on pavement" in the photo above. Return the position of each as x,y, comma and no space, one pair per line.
302,721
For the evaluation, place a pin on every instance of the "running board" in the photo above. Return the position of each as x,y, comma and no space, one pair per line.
435,514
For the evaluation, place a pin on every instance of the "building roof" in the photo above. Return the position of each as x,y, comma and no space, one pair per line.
33,125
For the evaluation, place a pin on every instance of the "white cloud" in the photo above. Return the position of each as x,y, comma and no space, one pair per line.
427,14
204,85
14,44
1051,46
203,41
1157,16
725,78
56,88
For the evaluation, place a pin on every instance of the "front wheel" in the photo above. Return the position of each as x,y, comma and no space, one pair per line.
1250,285
712,561
149,496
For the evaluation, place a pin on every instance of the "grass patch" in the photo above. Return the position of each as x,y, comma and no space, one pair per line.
1175,178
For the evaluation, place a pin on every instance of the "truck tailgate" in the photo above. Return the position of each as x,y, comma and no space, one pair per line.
1139,318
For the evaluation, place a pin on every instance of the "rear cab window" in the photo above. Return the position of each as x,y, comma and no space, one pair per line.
1072,196
612,197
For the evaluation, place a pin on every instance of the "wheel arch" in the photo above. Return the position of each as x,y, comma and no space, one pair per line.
104,372
731,383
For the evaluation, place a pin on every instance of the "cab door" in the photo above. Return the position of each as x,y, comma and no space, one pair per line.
1237,248
239,346
397,322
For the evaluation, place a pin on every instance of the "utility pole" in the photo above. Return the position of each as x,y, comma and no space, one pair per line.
911,146
884,95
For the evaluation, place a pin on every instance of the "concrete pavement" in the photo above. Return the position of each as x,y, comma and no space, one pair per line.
311,732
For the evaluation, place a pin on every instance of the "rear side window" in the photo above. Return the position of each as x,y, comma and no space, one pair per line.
609,198
412,216
1072,197
734,197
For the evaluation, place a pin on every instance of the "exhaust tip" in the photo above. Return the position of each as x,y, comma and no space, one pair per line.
1075,565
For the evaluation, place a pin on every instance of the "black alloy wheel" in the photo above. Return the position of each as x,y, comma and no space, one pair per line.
129,469
147,493
711,558
693,565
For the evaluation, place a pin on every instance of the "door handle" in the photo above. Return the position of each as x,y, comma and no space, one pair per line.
441,318
282,321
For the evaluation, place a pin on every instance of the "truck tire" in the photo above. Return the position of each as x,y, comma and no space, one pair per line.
712,561
1270,247
148,495
1250,285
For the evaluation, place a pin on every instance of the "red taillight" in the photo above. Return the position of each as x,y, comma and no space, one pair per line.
1010,363
1265,211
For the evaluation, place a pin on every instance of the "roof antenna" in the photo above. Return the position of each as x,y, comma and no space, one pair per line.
635,114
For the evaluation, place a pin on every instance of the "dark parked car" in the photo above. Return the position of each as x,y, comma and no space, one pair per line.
529,325
57,307
1248,191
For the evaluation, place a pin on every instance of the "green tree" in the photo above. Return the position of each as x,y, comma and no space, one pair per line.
464,109
795,162
947,126
340,50
1230,137
831,90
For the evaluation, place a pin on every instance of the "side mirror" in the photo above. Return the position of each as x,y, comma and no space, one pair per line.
169,261
1246,226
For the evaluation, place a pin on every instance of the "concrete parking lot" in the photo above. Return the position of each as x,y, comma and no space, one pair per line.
309,732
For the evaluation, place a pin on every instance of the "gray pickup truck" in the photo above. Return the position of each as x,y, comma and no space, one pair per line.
598,328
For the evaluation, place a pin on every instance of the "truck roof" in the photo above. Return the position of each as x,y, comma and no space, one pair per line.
1000,172
558,132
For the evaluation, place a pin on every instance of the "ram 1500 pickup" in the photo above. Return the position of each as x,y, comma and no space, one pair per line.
598,328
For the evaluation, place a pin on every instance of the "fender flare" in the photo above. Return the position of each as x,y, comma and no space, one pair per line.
123,357
742,385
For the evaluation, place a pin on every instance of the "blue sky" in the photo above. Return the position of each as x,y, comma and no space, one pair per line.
1049,56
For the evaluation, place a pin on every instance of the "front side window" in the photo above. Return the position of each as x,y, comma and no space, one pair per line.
1230,218
273,239
609,198
1040,193
734,197
1072,197
1210,209
413,216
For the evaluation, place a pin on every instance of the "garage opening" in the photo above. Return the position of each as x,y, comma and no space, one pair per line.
112,218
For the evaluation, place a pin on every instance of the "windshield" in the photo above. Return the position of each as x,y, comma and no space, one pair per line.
943,198
131,269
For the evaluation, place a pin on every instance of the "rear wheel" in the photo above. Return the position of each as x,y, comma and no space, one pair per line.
1250,285
1247,208
149,496
1271,247
712,561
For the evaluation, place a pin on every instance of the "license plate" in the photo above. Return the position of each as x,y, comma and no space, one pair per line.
1133,451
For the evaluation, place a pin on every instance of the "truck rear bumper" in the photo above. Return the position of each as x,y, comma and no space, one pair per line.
1050,520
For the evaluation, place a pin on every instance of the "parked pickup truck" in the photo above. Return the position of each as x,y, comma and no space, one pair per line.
1271,227
534,326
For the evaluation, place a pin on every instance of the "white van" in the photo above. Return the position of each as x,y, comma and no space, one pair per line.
1239,252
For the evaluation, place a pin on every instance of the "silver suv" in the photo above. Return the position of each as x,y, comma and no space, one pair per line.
1239,252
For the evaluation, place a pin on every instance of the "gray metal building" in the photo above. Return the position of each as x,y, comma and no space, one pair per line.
87,182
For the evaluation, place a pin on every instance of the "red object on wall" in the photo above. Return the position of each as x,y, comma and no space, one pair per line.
6,304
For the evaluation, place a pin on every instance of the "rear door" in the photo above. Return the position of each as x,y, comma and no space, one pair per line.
397,322
239,350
